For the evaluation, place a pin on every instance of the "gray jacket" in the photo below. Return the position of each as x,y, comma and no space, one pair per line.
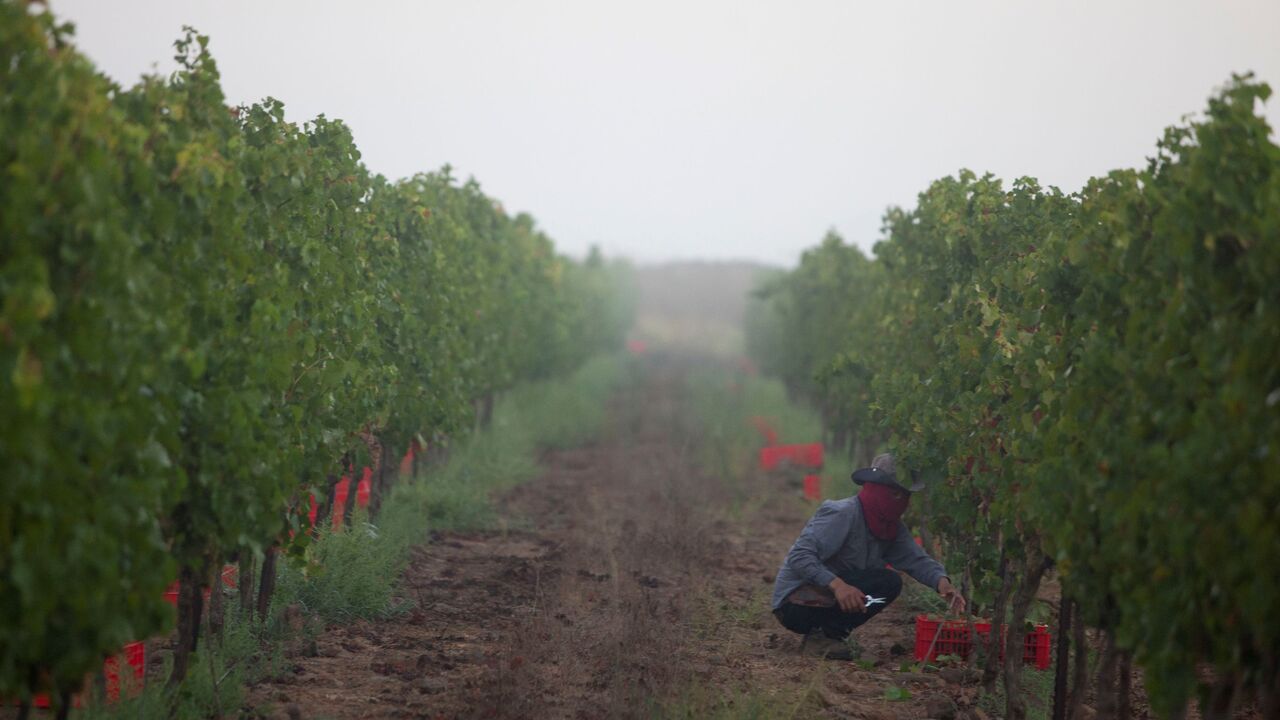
836,542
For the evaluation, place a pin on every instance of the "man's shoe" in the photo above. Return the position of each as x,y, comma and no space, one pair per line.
819,645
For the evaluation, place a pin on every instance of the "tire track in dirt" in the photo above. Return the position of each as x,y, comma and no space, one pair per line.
622,578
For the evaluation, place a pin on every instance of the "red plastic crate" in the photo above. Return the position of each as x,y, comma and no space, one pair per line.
809,456
363,487
135,656
812,487
770,457
953,638
340,493
406,463
230,573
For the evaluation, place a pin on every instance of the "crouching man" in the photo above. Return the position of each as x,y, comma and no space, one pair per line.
834,578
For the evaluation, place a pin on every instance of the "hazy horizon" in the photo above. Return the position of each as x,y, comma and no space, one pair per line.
718,131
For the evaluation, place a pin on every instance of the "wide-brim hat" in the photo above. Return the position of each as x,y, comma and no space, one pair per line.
883,471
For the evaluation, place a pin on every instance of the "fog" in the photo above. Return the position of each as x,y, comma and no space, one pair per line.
675,130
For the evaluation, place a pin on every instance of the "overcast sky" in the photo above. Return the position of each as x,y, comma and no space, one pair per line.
697,129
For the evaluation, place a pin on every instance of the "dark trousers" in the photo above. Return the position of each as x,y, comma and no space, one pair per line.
834,622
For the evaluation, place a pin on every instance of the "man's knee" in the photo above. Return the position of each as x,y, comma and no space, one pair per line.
884,583
794,618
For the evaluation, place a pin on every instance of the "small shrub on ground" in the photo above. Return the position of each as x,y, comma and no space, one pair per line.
351,573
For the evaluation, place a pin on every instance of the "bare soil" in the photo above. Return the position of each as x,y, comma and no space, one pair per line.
626,583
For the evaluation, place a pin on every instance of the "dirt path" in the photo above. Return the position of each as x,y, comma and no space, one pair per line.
626,585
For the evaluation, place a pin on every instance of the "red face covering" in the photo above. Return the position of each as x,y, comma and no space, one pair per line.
881,510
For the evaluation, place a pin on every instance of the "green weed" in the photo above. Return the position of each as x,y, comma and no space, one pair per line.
697,702
352,573
715,612
1037,689
922,599
896,693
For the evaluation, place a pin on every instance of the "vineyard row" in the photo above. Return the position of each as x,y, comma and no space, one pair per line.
1090,383
207,313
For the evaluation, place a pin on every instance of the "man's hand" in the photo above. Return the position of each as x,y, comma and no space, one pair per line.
849,598
955,601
